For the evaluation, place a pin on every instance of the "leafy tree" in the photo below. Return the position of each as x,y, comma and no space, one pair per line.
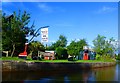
14,31
81,43
103,46
59,47
72,48
0,30
35,46
61,42
99,44
61,53
110,46
75,47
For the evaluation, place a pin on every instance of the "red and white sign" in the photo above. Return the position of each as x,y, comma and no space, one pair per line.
44,35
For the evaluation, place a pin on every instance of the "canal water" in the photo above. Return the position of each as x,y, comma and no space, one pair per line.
64,76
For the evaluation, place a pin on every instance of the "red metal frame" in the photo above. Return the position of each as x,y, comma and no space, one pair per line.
25,52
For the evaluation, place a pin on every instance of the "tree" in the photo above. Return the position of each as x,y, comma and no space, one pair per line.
75,47
99,44
110,46
71,49
14,31
0,30
61,42
59,47
103,46
81,43
36,46
61,53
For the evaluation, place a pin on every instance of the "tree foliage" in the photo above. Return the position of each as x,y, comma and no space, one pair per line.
0,30
75,47
59,47
36,46
103,46
61,42
61,53
99,44
14,31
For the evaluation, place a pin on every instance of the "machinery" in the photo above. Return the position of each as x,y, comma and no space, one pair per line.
23,55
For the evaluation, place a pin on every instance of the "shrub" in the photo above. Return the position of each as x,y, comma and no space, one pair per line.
97,57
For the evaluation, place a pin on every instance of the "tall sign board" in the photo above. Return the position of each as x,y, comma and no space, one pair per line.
44,35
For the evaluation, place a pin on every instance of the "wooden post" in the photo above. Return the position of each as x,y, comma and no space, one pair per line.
6,52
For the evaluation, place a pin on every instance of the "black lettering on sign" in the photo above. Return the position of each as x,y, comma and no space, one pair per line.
44,35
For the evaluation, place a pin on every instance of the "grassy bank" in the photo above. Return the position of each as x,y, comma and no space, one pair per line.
56,61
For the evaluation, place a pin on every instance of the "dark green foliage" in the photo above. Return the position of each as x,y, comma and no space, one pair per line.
36,46
59,47
75,47
14,31
61,42
99,44
103,46
0,31
118,57
61,53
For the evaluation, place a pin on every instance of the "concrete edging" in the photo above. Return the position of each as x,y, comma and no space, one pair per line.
33,66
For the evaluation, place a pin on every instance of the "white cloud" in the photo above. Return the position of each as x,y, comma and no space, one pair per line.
105,9
50,9
45,7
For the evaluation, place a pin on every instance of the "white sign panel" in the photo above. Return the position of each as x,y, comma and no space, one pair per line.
44,35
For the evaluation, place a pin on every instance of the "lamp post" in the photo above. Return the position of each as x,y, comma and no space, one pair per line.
24,54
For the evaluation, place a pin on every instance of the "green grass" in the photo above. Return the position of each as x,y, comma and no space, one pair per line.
60,61
55,61
11,58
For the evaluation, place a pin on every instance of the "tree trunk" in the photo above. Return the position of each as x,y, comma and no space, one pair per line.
13,50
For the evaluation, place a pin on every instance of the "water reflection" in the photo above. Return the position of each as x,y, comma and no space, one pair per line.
66,76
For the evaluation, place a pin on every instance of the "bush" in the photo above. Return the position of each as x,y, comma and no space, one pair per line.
97,57
118,57
104,58
61,53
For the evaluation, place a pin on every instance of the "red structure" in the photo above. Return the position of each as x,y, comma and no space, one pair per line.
85,56
24,54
